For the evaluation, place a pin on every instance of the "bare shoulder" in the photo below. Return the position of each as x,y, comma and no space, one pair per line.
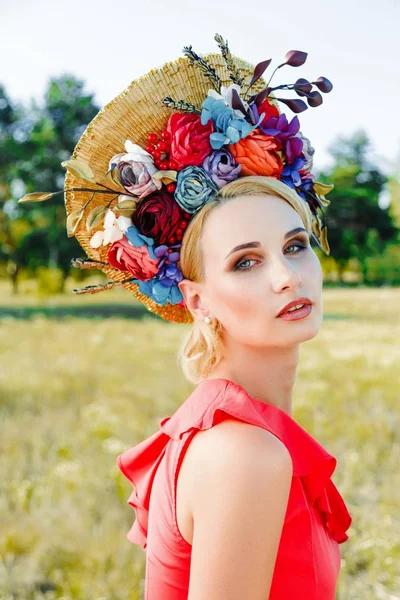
241,476
237,444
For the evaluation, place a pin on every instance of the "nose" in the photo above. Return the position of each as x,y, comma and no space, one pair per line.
284,276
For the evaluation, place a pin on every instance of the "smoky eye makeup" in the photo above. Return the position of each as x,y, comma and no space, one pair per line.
302,241
301,237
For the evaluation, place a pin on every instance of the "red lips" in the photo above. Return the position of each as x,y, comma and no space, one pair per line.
294,303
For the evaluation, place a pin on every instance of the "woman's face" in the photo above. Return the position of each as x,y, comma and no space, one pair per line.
246,288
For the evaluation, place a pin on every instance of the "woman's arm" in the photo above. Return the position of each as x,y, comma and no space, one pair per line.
242,484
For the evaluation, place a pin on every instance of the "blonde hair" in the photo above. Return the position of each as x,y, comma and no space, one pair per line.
201,348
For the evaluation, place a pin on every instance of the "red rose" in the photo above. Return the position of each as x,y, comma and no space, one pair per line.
189,139
158,216
269,109
135,259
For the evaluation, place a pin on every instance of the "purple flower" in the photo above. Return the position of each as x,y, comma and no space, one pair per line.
293,148
280,128
285,132
221,167
168,272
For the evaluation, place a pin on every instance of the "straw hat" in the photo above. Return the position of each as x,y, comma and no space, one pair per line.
138,110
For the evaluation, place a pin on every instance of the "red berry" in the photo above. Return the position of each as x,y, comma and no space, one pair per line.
157,163
157,154
183,224
179,232
165,135
163,146
171,240
164,165
150,148
172,165
171,187
152,138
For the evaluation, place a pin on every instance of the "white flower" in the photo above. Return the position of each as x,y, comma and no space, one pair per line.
135,154
226,96
137,174
114,229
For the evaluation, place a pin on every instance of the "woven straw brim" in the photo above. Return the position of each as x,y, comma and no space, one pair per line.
132,115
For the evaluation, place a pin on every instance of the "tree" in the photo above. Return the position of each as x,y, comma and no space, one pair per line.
394,192
33,143
10,115
357,226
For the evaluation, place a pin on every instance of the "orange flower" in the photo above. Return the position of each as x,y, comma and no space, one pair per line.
258,154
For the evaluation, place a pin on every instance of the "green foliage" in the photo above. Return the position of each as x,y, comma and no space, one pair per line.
34,140
357,226
384,268
394,191
49,281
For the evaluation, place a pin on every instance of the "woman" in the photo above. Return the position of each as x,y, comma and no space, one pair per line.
234,498
208,218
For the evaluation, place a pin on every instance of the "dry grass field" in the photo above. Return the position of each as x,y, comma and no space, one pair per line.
82,378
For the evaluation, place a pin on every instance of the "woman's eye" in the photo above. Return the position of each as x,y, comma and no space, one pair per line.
239,265
300,246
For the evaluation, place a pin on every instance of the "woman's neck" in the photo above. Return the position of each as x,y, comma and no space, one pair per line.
267,376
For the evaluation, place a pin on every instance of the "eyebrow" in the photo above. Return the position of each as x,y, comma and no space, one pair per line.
258,245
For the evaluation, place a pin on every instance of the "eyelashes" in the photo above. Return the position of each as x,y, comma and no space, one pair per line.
237,267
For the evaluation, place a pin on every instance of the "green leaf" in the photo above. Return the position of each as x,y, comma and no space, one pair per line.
112,180
73,221
321,189
95,217
125,207
79,168
37,197
127,204
166,176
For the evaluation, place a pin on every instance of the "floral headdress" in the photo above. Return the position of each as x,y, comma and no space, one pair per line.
129,210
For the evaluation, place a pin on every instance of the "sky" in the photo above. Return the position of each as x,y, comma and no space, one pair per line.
108,44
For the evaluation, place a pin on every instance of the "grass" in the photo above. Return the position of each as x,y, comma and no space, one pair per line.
82,378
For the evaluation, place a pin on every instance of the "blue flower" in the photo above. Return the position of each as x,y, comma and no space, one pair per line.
168,273
163,287
290,173
193,189
158,292
230,128
137,239
306,186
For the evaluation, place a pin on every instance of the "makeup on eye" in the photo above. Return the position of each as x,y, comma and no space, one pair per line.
287,235
295,243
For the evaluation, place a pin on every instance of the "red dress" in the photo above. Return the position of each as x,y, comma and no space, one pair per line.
308,559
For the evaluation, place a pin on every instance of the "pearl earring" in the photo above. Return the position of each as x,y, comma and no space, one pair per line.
207,319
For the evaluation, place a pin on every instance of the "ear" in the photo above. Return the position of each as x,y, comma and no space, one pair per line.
192,294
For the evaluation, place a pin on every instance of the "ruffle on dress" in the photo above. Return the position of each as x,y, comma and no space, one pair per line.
139,465
207,406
